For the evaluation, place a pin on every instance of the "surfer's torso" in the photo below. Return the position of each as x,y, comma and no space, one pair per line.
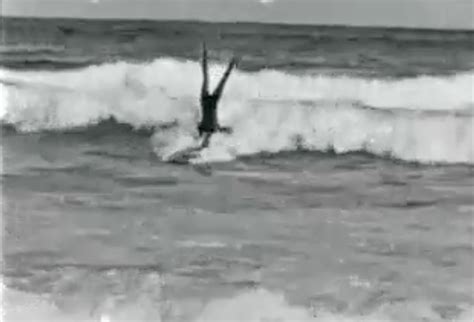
208,122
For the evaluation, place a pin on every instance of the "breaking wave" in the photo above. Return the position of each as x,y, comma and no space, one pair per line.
425,119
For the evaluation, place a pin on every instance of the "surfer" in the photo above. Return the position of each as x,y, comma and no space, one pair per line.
209,124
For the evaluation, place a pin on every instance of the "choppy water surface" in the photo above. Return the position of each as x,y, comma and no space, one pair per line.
345,192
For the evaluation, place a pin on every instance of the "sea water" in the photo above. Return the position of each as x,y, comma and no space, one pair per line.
344,193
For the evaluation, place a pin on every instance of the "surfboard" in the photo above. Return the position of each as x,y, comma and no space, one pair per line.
183,156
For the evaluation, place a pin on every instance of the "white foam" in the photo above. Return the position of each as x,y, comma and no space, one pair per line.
267,109
257,305
201,244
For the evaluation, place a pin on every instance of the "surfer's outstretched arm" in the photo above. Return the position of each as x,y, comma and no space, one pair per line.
225,129
220,87
205,76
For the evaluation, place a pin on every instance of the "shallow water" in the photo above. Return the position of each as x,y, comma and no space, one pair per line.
99,226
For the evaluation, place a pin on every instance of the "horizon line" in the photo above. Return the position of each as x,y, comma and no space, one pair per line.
204,21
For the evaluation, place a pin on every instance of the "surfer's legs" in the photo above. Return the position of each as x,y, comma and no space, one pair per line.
206,139
205,76
220,87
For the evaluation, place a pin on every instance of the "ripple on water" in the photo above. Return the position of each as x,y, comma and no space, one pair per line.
417,227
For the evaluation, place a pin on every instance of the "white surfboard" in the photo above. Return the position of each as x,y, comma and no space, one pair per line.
183,156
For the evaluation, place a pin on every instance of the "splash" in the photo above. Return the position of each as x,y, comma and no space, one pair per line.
423,119
257,305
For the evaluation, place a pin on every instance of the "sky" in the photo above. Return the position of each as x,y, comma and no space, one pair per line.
444,14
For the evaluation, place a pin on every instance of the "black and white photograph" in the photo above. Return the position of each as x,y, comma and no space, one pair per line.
237,160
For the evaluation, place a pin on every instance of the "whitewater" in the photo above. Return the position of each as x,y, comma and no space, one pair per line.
426,119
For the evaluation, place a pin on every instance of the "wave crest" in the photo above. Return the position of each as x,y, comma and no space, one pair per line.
425,119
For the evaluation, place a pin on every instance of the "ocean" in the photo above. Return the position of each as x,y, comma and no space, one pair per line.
344,193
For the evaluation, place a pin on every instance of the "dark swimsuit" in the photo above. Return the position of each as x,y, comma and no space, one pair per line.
208,122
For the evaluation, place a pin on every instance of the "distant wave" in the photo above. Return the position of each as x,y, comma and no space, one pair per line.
47,62
340,35
423,119
39,56
30,49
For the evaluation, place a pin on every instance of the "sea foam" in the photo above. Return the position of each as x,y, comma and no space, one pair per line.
424,119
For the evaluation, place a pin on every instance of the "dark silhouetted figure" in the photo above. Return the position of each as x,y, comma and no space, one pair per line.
209,124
